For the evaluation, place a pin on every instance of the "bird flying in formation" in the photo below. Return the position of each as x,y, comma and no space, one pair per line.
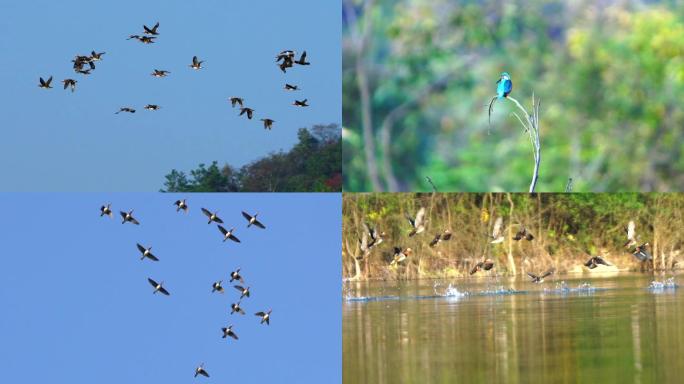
540,278
158,287
196,63
244,292
201,371
268,123
417,224
128,217
265,317
252,220
228,234
229,332
45,84
146,253
213,216
181,204
235,275
106,210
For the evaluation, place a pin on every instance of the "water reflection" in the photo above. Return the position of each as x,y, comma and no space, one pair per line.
609,330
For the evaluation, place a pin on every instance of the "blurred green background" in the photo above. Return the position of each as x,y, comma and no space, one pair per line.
418,74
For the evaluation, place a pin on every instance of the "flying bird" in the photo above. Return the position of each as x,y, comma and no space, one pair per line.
201,371
248,111
642,254
523,233
213,216
158,287
444,236
235,275
417,224
400,255
631,234
302,59
236,100
252,220
125,109
268,123
70,83
595,261
289,87
96,56
497,234
181,204
146,252
216,286
229,332
540,278
244,292
45,84
486,265
106,210
160,73
152,107
228,234
196,63
265,317
235,307
301,103
128,217
151,31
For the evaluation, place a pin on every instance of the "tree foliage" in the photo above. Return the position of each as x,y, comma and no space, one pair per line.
313,164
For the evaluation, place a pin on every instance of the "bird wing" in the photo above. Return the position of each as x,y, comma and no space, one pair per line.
420,216
260,314
164,291
239,287
223,230
152,282
548,272
303,57
235,239
134,221
140,248
435,240
49,80
258,224
123,214
194,60
532,275
497,227
153,257
206,212
246,215
630,230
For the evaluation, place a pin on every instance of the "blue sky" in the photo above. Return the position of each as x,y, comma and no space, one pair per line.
74,293
54,140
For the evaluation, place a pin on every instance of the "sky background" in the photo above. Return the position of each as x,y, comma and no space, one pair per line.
54,140
77,307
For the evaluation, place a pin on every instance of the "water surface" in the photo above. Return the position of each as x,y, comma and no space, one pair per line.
567,330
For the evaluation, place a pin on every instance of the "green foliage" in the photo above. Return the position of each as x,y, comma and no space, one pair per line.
313,164
610,81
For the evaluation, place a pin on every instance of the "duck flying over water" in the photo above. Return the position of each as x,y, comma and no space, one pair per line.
302,59
252,220
244,292
236,100
151,31
146,253
248,111
486,265
128,217
125,109
417,224
216,286
504,86
642,254
228,234
181,204
196,63
70,83
301,103
289,87
265,317
537,279
376,238
106,210
158,287
229,332
160,73
268,123
595,261
235,275
444,236
201,371
45,84
235,307
523,233
400,255
213,216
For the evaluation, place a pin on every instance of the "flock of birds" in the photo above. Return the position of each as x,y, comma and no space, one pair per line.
85,65
370,238
217,286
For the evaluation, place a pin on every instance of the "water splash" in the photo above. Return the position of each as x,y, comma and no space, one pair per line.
563,288
660,286
452,291
499,290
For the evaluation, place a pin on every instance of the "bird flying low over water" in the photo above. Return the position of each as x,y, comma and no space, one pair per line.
146,252
248,111
236,100
125,109
106,210
201,371
301,103
160,73
268,123
229,332
228,234
181,204
265,317
418,223
151,31
45,84
128,217
196,63
158,287
213,216
445,236
540,278
235,307
70,83
217,287
595,261
400,255
252,220
642,254
235,275
244,292
486,265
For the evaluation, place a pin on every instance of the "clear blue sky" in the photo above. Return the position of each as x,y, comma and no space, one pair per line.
54,140
74,293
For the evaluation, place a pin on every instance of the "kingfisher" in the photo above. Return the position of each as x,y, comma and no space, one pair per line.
504,86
